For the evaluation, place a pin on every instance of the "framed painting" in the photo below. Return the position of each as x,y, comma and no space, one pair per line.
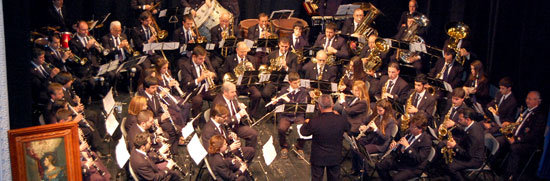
48,152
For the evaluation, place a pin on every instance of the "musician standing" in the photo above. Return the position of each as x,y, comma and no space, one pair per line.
332,43
409,155
469,148
294,94
238,115
527,135
326,148
320,70
142,164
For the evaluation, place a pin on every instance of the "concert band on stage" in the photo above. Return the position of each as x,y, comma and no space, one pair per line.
411,108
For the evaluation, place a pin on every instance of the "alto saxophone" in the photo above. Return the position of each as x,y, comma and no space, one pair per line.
406,117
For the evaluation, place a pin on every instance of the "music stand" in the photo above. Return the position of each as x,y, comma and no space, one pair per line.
267,43
346,9
325,87
248,78
281,14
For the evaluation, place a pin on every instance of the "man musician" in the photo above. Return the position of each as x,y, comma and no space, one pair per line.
185,33
452,106
331,43
351,24
320,70
263,29
289,64
196,74
144,33
422,101
142,163
223,30
503,106
58,57
409,155
447,69
117,42
392,86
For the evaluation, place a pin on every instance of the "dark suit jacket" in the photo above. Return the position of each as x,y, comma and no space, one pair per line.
180,36
448,106
39,84
54,19
291,60
300,97
78,49
455,75
356,113
223,167
426,104
232,61
216,33
532,130
138,4
377,138
210,130
416,156
234,124
131,135
131,120
399,90
254,31
145,168
108,43
471,146
348,27
327,130
232,6
302,42
56,61
153,103
189,73
329,72
139,36
193,4
338,43
507,109
482,90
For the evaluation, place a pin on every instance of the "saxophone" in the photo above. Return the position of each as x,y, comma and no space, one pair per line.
448,153
509,129
406,117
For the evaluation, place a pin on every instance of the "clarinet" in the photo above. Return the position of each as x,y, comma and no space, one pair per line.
88,152
234,137
166,111
246,117
83,118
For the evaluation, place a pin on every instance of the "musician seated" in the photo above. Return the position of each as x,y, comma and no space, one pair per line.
92,167
503,106
422,101
332,43
447,69
158,104
195,74
223,30
409,155
290,94
144,33
144,6
279,60
525,137
116,42
144,124
356,106
41,76
451,107
411,12
477,84
185,34
143,165
217,126
263,30
299,38
406,33
319,70
238,114
225,166
392,86
58,57
85,46
136,105
55,92
351,24
469,148
178,109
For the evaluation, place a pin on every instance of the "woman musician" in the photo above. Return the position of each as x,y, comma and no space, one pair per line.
353,72
224,166
477,84
356,107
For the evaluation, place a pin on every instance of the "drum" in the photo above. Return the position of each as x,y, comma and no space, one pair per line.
286,26
245,24
65,38
210,16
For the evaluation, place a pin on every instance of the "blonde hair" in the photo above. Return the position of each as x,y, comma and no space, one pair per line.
136,105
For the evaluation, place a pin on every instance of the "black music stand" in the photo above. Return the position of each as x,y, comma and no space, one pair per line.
249,78
277,77
267,43
324,86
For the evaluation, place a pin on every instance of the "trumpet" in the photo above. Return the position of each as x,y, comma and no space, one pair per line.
132,51
99,47
76,59
211,84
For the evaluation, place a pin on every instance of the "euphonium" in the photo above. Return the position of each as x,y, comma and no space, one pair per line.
238,71
373,59
456,33
411,36
316,93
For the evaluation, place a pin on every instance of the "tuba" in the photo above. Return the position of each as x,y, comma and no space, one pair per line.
411,36
457,32
373,60
364,29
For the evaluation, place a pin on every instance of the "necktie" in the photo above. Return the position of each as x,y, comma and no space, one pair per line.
147,33
60,13
453,111
85,41
416,100
501,99
446,72
232,108
390,86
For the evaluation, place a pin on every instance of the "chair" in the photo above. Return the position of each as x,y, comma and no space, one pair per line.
430,159
132,173
122,128
432,132
393,134
206,115
209,168
492,145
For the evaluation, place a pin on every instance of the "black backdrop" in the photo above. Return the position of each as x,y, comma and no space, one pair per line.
510,37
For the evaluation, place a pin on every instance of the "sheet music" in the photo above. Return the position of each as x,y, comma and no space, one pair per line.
333,87
196,150
448,86
111,124
121,152
249,43
109,101
161,46
187,130
346,9
305,83
269,152
298,126
280,108
264,77
210,46
310,108
239,80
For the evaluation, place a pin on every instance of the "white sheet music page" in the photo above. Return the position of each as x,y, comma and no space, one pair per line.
122,154
269,152
109,101
111,124
196,150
